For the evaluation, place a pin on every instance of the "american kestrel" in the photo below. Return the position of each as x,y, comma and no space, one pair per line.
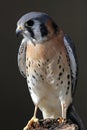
47,60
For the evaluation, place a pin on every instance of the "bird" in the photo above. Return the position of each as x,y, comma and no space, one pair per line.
47,59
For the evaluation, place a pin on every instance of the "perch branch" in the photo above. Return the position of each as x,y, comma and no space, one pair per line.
52,124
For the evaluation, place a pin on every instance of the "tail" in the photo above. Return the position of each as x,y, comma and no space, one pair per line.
72,114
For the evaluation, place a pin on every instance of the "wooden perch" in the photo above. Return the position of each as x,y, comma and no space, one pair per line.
52,124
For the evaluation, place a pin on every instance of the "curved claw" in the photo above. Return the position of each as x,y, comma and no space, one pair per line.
61,120
29,124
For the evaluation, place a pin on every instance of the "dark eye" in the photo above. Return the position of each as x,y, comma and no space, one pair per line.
30,23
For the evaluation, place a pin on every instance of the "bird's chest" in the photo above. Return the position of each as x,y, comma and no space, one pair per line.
47,71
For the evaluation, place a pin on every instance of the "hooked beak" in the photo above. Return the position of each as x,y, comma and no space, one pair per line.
19,31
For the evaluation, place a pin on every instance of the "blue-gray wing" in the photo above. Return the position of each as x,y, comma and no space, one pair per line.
73,61
22,58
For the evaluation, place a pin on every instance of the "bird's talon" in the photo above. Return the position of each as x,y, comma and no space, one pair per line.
61,120
25,128
29,124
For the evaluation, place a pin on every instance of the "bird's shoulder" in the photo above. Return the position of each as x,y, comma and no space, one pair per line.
70,47
22,57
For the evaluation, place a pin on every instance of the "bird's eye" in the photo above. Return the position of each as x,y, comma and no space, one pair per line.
30,23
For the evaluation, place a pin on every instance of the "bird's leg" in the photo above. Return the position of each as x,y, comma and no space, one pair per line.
33,119
63,118
35,111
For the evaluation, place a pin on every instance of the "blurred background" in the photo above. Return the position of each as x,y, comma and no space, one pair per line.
16,106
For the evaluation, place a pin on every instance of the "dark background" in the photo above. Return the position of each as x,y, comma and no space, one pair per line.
16,106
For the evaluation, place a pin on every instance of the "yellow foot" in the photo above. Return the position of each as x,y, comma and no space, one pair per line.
61,120
29,124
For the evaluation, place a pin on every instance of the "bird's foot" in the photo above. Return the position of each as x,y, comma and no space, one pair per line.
30,122
61,120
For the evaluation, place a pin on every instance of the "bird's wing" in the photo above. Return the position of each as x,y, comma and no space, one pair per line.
22,58
73,61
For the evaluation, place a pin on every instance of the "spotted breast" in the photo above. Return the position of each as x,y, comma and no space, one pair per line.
48,76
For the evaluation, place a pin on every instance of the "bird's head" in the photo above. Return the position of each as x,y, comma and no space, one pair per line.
37,27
